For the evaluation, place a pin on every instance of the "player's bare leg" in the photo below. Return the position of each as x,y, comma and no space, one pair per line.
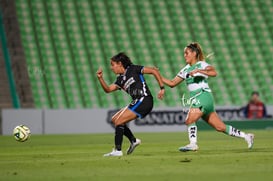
214,120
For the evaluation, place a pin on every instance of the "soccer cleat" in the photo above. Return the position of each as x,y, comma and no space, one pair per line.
133,146
189,147
250,140
114,153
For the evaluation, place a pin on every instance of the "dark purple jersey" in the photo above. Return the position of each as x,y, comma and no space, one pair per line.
133,82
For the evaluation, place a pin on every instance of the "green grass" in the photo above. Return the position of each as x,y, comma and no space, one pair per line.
79,157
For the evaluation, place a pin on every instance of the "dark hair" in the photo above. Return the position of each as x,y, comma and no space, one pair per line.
123,58
255,92
196,47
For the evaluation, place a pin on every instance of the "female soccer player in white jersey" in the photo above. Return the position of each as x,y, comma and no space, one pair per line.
196,73
130,79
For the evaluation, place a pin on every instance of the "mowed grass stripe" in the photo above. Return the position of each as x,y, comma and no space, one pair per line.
79,157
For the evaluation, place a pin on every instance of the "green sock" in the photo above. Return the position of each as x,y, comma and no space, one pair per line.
227,129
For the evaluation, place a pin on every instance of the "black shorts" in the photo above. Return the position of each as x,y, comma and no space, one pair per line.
142,106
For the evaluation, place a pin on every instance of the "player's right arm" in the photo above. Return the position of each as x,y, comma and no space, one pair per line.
171,83
107,88
174,82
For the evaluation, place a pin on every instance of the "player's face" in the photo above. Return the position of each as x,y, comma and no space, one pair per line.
255,98
117,67
189,55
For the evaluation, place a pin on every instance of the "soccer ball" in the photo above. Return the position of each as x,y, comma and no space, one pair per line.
21,133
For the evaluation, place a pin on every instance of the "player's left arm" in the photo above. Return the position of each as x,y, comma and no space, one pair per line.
156,73
208,71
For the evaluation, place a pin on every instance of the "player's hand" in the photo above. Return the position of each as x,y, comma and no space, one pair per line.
99,73
194,72
160,94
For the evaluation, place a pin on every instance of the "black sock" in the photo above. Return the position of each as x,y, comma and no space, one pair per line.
128,133
119,136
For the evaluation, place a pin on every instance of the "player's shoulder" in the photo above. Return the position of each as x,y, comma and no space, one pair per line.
203,63
185,67
133,66
136,68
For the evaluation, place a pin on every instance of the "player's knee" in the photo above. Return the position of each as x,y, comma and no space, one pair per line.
118,123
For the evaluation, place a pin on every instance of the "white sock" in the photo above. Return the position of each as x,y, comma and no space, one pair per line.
192,133
234,132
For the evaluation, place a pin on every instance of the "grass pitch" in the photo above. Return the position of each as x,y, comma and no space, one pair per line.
79,157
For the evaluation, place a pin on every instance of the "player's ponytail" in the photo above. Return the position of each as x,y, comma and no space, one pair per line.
210,56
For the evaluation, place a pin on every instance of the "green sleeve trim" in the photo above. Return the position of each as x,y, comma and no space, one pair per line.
227,129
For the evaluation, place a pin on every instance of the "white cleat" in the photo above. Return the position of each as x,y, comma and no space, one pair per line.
250,140
114,153
133,146
189,147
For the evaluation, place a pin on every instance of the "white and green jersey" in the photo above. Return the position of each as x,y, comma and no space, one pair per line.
197,81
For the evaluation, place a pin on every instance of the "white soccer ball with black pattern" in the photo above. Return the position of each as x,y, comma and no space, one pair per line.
21,133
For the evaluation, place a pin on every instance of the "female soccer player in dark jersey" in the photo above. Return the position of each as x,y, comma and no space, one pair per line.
130,79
